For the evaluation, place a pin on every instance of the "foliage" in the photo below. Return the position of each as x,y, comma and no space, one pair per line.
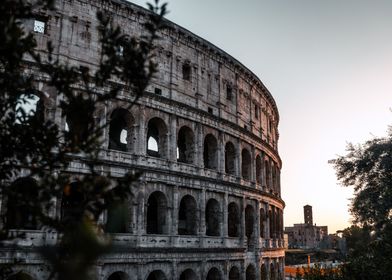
368,169
32,145
319,273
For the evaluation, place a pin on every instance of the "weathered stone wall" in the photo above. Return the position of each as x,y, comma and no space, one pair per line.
215,128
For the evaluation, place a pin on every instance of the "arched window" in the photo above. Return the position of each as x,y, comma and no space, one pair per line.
119,275
233,220
234,273
21,204
259,178
156,138
262,222
157,275
72,203
263,272
119,129
185,145
187,216
246,164
156,213
188,274
250,272
229,158
249,221
213,218
210,152
118,214
213,274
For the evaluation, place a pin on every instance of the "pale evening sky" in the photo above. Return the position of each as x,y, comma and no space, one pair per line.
327,63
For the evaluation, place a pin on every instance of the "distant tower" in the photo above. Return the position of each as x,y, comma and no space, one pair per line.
308,215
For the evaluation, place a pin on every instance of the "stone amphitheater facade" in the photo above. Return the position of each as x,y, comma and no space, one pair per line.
205,135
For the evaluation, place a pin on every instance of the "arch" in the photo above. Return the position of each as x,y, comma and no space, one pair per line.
119,129
234,273
187,216
118,214
188,274
273,177
118,275
259,178
267,171
262,223
271,223
272,272
21,204
213,274
233,220
250,272
210,152
20,276
72,208
156,138
230,155
156,213
246,164
213,217
263,272
185,145
249,221
156,275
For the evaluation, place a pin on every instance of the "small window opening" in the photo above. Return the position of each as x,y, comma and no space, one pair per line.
123,136
152,146
210,110
39,26
256,112
229,93
186,71
158,91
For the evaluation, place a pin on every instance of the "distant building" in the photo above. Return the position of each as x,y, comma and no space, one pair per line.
306,235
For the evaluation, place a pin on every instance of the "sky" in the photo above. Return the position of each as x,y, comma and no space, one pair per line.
328,65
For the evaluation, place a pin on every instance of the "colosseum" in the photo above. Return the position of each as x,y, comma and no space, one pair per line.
205,135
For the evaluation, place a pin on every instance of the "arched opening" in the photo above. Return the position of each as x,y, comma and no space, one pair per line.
157,275
262,222
213,274
210,152
119,129
273,177
229,158
213,217
22,209
20,276
271,223
267,171
249,221
188,274
263,272
234,273
119,275
187,216
250,272
259,170
118,217
156,213
233,221
185,145
72,203
272,272
246,164
156,138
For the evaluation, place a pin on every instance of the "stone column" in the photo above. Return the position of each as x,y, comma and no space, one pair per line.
225,215
174,229
257,225
221,153
142,139
172,142
202,229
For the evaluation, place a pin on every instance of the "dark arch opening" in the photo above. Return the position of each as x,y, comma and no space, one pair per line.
185,145
249,221
213,274
213,215
267,171
157,275
119,129
72,203
259,170
187,216
156,138
272,272
246,164
262,222
263,272
188,274
156,213
233,221
22,209
250,272
230,158
118,215
234,273
210,152
119,275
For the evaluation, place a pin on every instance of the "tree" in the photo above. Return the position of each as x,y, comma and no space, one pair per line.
368,169
36,152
